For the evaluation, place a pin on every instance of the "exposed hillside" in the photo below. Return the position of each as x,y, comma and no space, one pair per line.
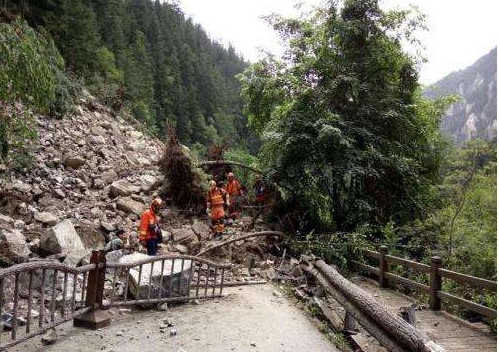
90,168
475,115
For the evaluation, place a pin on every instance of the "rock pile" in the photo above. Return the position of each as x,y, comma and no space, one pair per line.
91,173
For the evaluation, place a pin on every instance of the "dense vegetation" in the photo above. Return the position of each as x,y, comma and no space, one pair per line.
345,130
148,58
32,72
356,150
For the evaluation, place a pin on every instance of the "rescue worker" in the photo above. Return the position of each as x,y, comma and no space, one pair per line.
215,201
234,190
259,188
121,241
149,227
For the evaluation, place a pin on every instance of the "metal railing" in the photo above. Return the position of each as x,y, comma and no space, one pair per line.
168,278
436,274
54,293
38,296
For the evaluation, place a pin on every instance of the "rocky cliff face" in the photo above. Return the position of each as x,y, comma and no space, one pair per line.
475,115
91,172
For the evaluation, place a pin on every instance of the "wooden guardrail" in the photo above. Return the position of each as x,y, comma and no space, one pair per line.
393,332
436,273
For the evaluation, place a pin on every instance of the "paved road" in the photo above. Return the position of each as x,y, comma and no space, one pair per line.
250,319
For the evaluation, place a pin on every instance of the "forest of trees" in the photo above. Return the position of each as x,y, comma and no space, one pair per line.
147,57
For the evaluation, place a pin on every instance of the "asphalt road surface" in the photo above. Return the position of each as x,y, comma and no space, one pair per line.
249,319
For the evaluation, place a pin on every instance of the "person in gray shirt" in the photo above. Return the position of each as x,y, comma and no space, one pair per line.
121,241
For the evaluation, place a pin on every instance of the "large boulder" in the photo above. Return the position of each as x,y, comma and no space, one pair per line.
46,218
90,235
122,188
21,186
129,205
108,177
74,162
184,235
160,287
62,238
13,246
149,182
6,221
201,229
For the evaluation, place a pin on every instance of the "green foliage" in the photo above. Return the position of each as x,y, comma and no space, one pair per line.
344,127
148,58
27,65
338,248
246,177
31,73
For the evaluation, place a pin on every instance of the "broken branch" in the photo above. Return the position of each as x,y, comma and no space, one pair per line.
240,238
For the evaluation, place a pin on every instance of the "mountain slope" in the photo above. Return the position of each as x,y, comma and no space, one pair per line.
475,115
149,58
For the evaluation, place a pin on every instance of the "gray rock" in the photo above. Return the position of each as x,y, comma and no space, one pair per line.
62,238
141,289
149,182
184,236
201,229
74,162
90,235
75,258
98,131
122,188
93,140
6,221
130,206
59,193
46,218
13,245
108,226
108,177
49,337
21,187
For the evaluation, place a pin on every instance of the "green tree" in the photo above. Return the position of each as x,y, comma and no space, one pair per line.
30,68
340,118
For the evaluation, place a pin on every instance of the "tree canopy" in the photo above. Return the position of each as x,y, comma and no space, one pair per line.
345,131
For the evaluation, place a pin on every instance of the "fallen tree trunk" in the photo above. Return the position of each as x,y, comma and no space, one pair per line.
392,332
239,238
226,162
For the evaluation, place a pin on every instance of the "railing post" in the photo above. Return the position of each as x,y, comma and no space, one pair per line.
95,318
435,283
383,266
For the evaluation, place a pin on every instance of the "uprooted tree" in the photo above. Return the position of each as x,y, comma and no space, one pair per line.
183,183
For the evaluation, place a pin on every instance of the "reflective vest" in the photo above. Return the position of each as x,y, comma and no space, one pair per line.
233,187
148,218
216,197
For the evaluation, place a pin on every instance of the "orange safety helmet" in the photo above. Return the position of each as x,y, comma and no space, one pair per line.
157,202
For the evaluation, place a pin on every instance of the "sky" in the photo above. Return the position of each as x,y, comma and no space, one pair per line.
460,31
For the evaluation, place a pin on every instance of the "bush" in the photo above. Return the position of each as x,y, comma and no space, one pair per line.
31,72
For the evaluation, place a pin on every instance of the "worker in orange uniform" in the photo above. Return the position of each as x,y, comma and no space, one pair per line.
216,199
234,190
149,230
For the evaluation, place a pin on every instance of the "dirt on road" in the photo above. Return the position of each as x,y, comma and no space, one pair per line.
249,319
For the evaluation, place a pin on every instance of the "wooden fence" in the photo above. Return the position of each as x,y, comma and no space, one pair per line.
436,274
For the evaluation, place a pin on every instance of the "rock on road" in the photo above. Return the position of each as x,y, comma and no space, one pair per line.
250,319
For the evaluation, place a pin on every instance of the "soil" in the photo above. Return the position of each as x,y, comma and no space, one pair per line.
250,319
